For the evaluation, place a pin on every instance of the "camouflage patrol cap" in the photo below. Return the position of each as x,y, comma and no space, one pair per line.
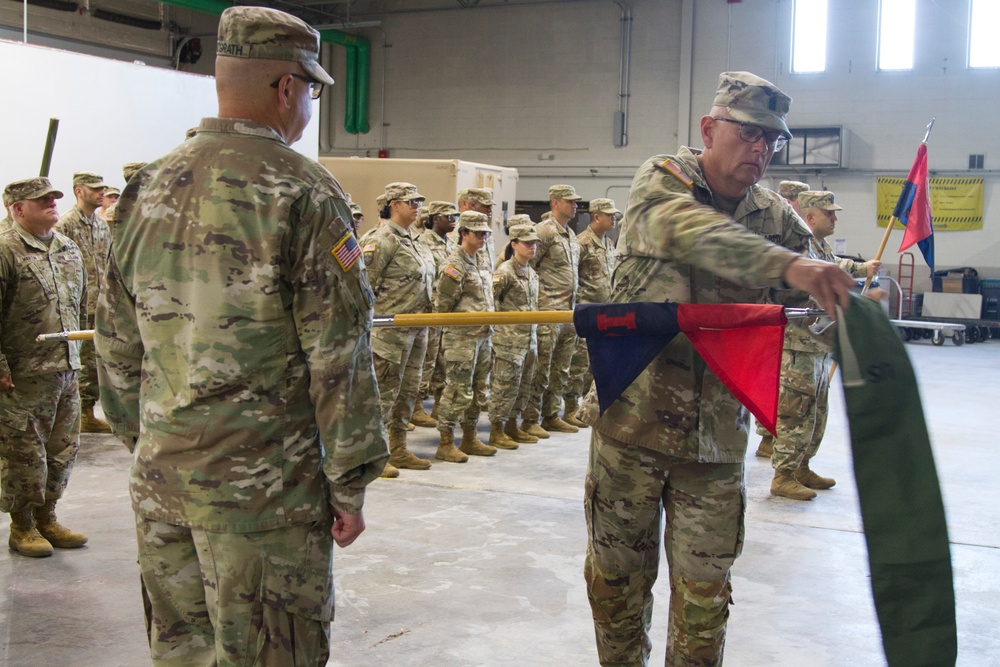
381,202
268,34
818,199
604,206
751,99
112,191
441,208
482,196
524,233
29,188
90,179
474,222
520,219
791,189
402,192
564,192
129,170
355,209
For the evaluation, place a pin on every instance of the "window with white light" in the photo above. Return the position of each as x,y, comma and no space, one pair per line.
984,47
809,36
897,20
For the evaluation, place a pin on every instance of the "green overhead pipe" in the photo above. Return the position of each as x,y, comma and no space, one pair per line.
358,63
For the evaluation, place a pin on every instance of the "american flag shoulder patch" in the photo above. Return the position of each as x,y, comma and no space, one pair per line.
452,271
369,248
347,251
672,167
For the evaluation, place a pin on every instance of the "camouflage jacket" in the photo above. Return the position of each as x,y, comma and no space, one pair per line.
515,288
233,337
93,236
464,286
43,289
675,246
441,249
401,272
556,261
595,268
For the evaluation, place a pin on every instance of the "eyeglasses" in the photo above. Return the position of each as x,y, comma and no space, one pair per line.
412,203
751,134
315,87
479,234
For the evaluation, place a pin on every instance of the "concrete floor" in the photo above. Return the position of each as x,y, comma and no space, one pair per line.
481,563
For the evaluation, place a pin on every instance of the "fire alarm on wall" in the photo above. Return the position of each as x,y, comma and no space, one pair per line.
383,152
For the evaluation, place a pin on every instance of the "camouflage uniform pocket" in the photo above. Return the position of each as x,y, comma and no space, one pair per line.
296,611
13,417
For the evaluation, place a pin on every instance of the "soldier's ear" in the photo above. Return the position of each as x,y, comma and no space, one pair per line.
707,129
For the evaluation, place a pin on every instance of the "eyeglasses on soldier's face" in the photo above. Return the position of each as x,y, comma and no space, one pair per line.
752,134
315,87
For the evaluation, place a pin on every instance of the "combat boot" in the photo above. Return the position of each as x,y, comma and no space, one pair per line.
766,447
389,471
569,415
808,478
25,538
421,418
447,450
472,445
400,456
531,428
553,423
785,485
499,439
57,534
91,424
516,434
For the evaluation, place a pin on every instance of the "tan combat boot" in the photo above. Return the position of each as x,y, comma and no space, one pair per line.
531,428
400,456
421,418
516,434
766,447
25,538
58,535
569,415
553,423
472,445
785,485
91,424
389,471
447,450
808,478
499,439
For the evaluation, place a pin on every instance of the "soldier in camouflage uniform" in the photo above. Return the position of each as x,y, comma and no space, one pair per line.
234,345
556,261
697,229
465,286
479,200
401,272
441,217
93,236
596,256
805,372
43,288
515,288
111,196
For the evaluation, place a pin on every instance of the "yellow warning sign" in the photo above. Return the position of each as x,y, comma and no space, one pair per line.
956,203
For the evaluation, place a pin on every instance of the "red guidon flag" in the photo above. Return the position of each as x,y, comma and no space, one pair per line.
740,343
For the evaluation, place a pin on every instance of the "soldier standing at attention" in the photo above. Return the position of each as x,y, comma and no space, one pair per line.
93,236
515,288
401,272
111,196
697,229
235,358
556,262
595,287
480,200
441,216
43,288
465,286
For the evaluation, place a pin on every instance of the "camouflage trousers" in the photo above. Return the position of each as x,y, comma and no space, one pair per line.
510,381
466,380
263,598
432,377
580,377
802,408
399,384
89,390
628,490
39,439
556,343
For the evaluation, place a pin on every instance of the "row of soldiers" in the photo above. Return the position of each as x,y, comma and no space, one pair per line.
523,376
